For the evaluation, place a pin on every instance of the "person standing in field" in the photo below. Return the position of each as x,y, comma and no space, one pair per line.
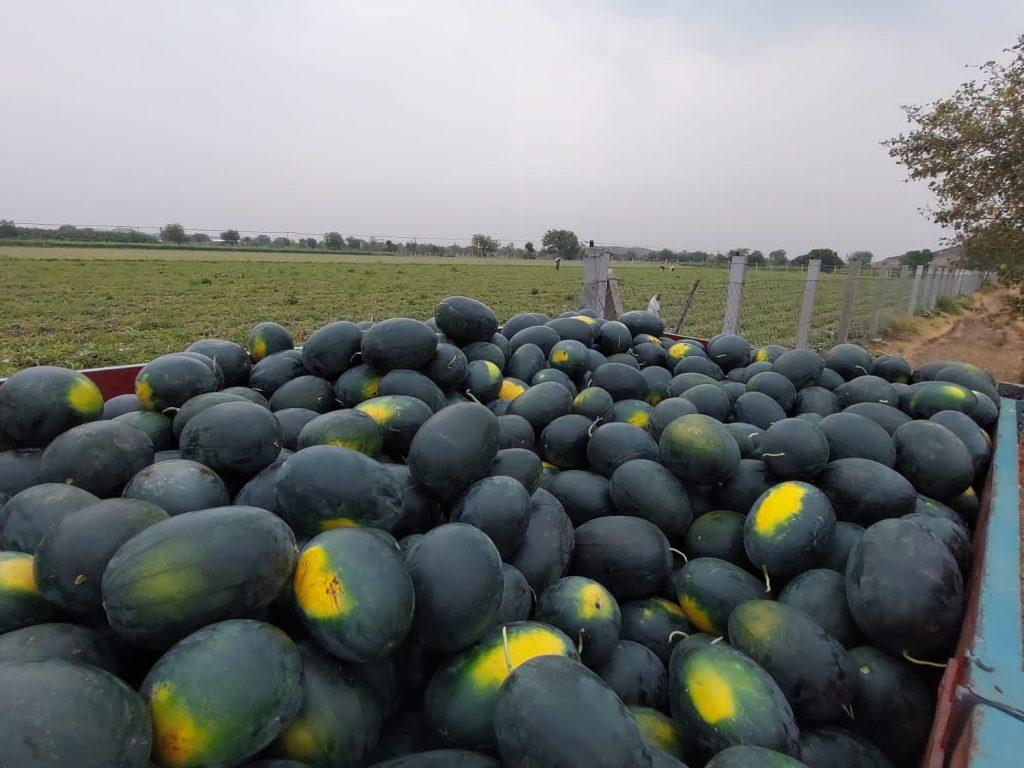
558,263
654,305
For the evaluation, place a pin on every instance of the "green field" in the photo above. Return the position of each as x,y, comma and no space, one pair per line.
88,307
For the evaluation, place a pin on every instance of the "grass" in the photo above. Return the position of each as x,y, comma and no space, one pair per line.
86,307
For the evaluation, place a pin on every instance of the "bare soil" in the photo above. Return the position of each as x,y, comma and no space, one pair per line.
990,334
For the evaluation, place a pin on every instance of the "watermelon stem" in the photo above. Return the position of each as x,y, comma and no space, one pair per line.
504,642
579,640
675,632
716,640
773,455
848,709
171,409
472,397
593,426
924,662
767,579
681,554
532,592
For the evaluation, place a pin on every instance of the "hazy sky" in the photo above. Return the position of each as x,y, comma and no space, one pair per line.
701,125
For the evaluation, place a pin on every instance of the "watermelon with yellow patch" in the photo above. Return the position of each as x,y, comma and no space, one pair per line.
656,623
746,756
356,385
195,568
169,381
570,357
708,589
21,602
354,593
222,694
658,731
681,349
340,719
59,713
720,698
39,403
586,612
349,428
267,338
399,418
512,388
769,353
635,412
930,397
459,702
789,528
699,449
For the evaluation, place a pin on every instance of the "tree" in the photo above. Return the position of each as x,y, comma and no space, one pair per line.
333,241
199,237
310,242
281,242
529,247
563,242
829,258
969,148
777,258
173,233
230,236
916,258
263,240
864,257
354,243
756,259
7,228
484,243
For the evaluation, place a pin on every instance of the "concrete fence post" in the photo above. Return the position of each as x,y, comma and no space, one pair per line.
881,283
933,295
803,329
734,294
915,290
843,331
960,283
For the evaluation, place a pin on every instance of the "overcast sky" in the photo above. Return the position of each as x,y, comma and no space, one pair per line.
700,125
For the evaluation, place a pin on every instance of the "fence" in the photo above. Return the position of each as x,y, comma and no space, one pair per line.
811,307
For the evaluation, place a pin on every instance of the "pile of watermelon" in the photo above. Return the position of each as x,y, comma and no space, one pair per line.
572,542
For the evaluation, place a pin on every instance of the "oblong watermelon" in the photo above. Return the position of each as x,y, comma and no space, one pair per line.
546,550
106,723
644,488
498,506
38,404
821,594
398,342
789,528
67,642
268,338
469,434
628,555
30,513
170,381
585,611
190,570
708,589
331,349
696,448
21,602
178,486
99,457
222,694
636,675
232,438
465,320
349,428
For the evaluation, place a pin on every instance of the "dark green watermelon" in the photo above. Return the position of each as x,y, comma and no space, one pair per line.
399,342
849,360
542,403
67,642
644,488
469,434
794,449
975,439
970,376
178,486
711,400
196,568
74,552
729,350
354,593
441,758
554,711
660,735
232,438
575,328
331,349
800,366
620,381
863,491
718,534
634,412
612,445
816,400
30,513
666,411
955,536
448,367
933,459
339,721
456,573
540,335
892,707
846,537
696,448
986,412
866,389
99,457
170,380
740,491
758,409
292,420
155,426
809,664
234,362
38,404
349,428
683,381
356,385
708,589
328,486
720,698
498,506
657,380
698,365
465,320
484,350
745,756
628,555
105,722
516,597
311,392
748,438
21,602
776,386
853,436
526,362
821,594
585,611
556,376
828,746
569,356
420,511
614,337
789,528
274,371
223,694
266,339
119,405
563,442
905,604
483,380
546,550
636,675
892,368
654,622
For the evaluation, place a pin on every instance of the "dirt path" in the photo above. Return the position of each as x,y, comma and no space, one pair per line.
990,335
